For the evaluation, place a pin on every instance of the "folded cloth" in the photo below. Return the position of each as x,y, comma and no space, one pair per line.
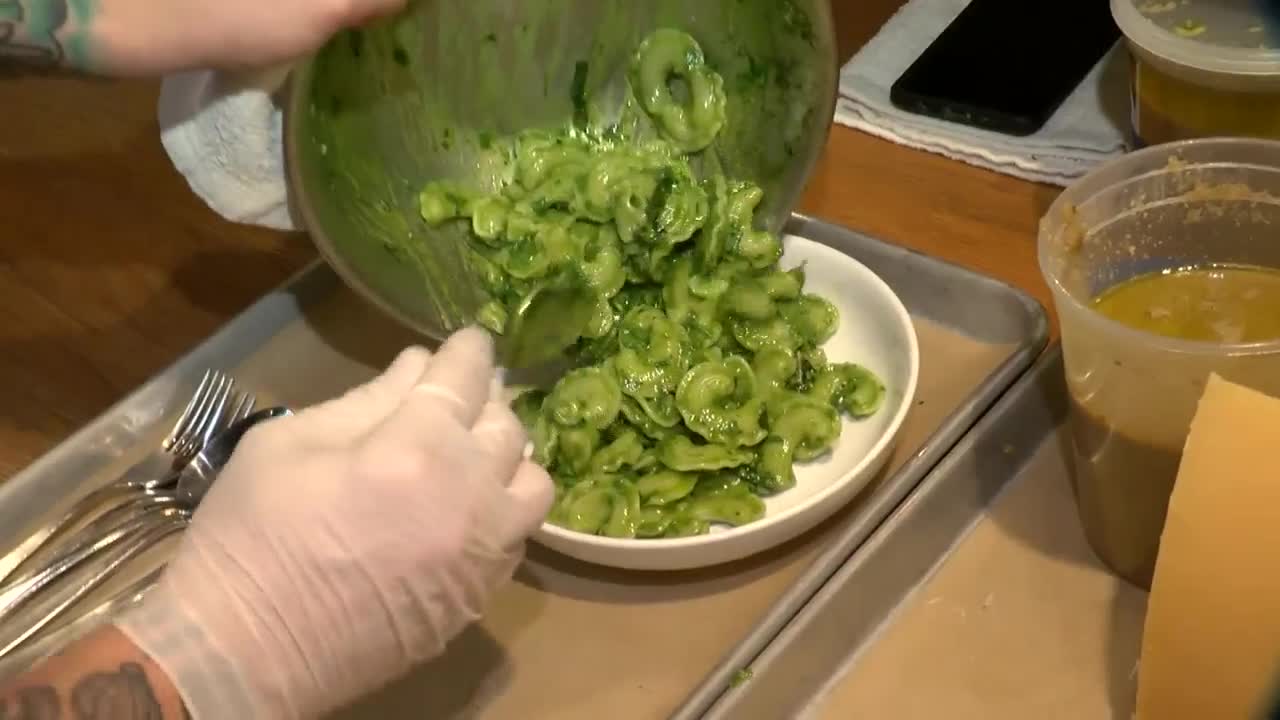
224,133
1087,129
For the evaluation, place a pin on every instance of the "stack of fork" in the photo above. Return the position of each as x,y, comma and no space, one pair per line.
108,528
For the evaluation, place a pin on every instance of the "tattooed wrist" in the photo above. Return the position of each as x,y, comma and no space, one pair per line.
123,694
46,33
32,703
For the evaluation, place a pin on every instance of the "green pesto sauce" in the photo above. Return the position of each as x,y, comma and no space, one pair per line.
382,116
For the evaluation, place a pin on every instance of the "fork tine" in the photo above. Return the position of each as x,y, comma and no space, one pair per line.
214,405
213,418
184,421
207,416
236,404
244,406
198,417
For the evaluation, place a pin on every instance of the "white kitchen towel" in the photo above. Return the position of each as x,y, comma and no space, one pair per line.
223,132
1086,130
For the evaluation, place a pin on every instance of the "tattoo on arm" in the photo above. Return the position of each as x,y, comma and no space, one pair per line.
45,33
124,694
33,703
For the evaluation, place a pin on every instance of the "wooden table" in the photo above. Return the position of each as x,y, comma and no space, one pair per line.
110,268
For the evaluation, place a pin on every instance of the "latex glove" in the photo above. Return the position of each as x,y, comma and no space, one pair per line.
343,545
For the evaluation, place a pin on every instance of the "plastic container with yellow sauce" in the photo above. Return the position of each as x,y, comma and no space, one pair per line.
1200,68
1194,203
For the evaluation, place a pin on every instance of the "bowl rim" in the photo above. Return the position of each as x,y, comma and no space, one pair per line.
662,545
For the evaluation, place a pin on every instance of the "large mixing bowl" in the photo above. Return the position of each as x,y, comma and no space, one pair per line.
431,95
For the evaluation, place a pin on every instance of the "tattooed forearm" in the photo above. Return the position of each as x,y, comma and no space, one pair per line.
124,694
32,703
103,676
45,32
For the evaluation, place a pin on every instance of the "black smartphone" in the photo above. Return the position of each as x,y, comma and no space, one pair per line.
1007,65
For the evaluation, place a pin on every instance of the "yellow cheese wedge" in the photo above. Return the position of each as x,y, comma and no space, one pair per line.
1211,644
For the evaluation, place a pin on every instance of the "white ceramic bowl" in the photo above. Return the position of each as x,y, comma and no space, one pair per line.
875,331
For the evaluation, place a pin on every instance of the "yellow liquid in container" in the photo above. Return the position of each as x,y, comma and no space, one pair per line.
1124,469
1168,108
1214,303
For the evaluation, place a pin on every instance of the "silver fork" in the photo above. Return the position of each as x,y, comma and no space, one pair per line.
141,532
199,420
24,654
87,542
121,535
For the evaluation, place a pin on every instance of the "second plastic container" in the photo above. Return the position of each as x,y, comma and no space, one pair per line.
1200,69
1134,393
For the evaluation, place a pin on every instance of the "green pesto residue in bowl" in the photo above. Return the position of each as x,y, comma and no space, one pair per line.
440,92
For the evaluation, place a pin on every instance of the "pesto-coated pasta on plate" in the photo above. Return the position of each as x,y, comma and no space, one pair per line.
701,379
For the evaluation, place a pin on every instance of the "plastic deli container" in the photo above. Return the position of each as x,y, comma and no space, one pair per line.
1134,393
1200,68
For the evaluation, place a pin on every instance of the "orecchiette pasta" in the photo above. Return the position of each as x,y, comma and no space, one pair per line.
700,380
667,54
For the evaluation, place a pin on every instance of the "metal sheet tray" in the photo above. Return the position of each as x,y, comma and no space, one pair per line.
568,640
978,598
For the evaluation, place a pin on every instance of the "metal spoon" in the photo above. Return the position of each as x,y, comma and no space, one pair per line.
198,475
549,319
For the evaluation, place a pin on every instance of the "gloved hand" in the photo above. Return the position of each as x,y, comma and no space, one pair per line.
345,544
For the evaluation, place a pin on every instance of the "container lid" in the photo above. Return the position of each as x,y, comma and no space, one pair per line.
1219,36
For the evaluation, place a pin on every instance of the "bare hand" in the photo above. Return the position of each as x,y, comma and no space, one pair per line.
143,37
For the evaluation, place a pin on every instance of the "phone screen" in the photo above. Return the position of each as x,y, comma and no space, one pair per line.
1008,64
